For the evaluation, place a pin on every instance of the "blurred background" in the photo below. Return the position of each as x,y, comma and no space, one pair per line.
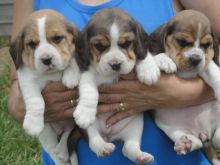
16,148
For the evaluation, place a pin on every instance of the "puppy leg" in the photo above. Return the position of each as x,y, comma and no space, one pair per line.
132,138
34,103
211,76
85,112
71,74
185,143
216,139
73,159
147,70
49,140
165,63
211,155
97,143
61,149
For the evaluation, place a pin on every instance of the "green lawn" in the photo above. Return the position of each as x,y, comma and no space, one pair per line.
16,148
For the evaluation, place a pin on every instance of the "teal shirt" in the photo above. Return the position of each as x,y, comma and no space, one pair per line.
150,14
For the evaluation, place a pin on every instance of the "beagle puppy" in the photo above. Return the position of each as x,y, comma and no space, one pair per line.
110,45
192,48
44,51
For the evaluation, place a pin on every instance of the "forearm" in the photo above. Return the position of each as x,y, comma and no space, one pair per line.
183,92
15,102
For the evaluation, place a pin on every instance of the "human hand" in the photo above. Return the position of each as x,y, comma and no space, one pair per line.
170,91
60,101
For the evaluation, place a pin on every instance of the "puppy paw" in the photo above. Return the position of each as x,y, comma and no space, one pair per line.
183,145
105,149
70,78
165,63
144,158
148,72
84,116
34,125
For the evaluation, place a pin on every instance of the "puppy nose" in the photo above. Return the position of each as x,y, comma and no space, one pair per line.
46,61
195,59
115,66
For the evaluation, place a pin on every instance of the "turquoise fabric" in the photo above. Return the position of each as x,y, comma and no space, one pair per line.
150,14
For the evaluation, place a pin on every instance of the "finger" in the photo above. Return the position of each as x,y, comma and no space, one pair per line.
55,86
104,108
59,111
120,116
117,117
54,97
68,114
112,88
130,76
111,98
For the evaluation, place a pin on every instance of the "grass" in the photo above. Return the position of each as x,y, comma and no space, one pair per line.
16,148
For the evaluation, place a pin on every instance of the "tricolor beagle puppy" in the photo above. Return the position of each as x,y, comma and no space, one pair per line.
189,41
43,52
112,44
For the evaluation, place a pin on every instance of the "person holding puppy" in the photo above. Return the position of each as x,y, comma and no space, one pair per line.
170,91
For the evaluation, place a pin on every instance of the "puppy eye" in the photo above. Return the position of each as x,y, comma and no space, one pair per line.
125,45
205,45
100,47
32,44
183,43
57,39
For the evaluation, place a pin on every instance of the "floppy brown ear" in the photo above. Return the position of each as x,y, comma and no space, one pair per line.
142,42
216,48
83,54
73,30
16,49
158,37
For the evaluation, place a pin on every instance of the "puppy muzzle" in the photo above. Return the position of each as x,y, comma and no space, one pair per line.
195,57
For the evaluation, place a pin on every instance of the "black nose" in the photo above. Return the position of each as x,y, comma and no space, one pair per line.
115,66
195,60
46,61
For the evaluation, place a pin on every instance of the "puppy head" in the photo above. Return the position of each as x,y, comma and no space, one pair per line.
112,42
188,39
46,42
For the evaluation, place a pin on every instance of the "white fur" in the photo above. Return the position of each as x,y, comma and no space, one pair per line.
85,112
32,81
147,70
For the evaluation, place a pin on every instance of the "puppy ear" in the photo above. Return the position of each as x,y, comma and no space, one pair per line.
216,48
142,42
83,51
16,49
158,38
73,30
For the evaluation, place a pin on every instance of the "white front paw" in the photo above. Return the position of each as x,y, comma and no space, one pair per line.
165,63
33,125
84,116
148,73
71,78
